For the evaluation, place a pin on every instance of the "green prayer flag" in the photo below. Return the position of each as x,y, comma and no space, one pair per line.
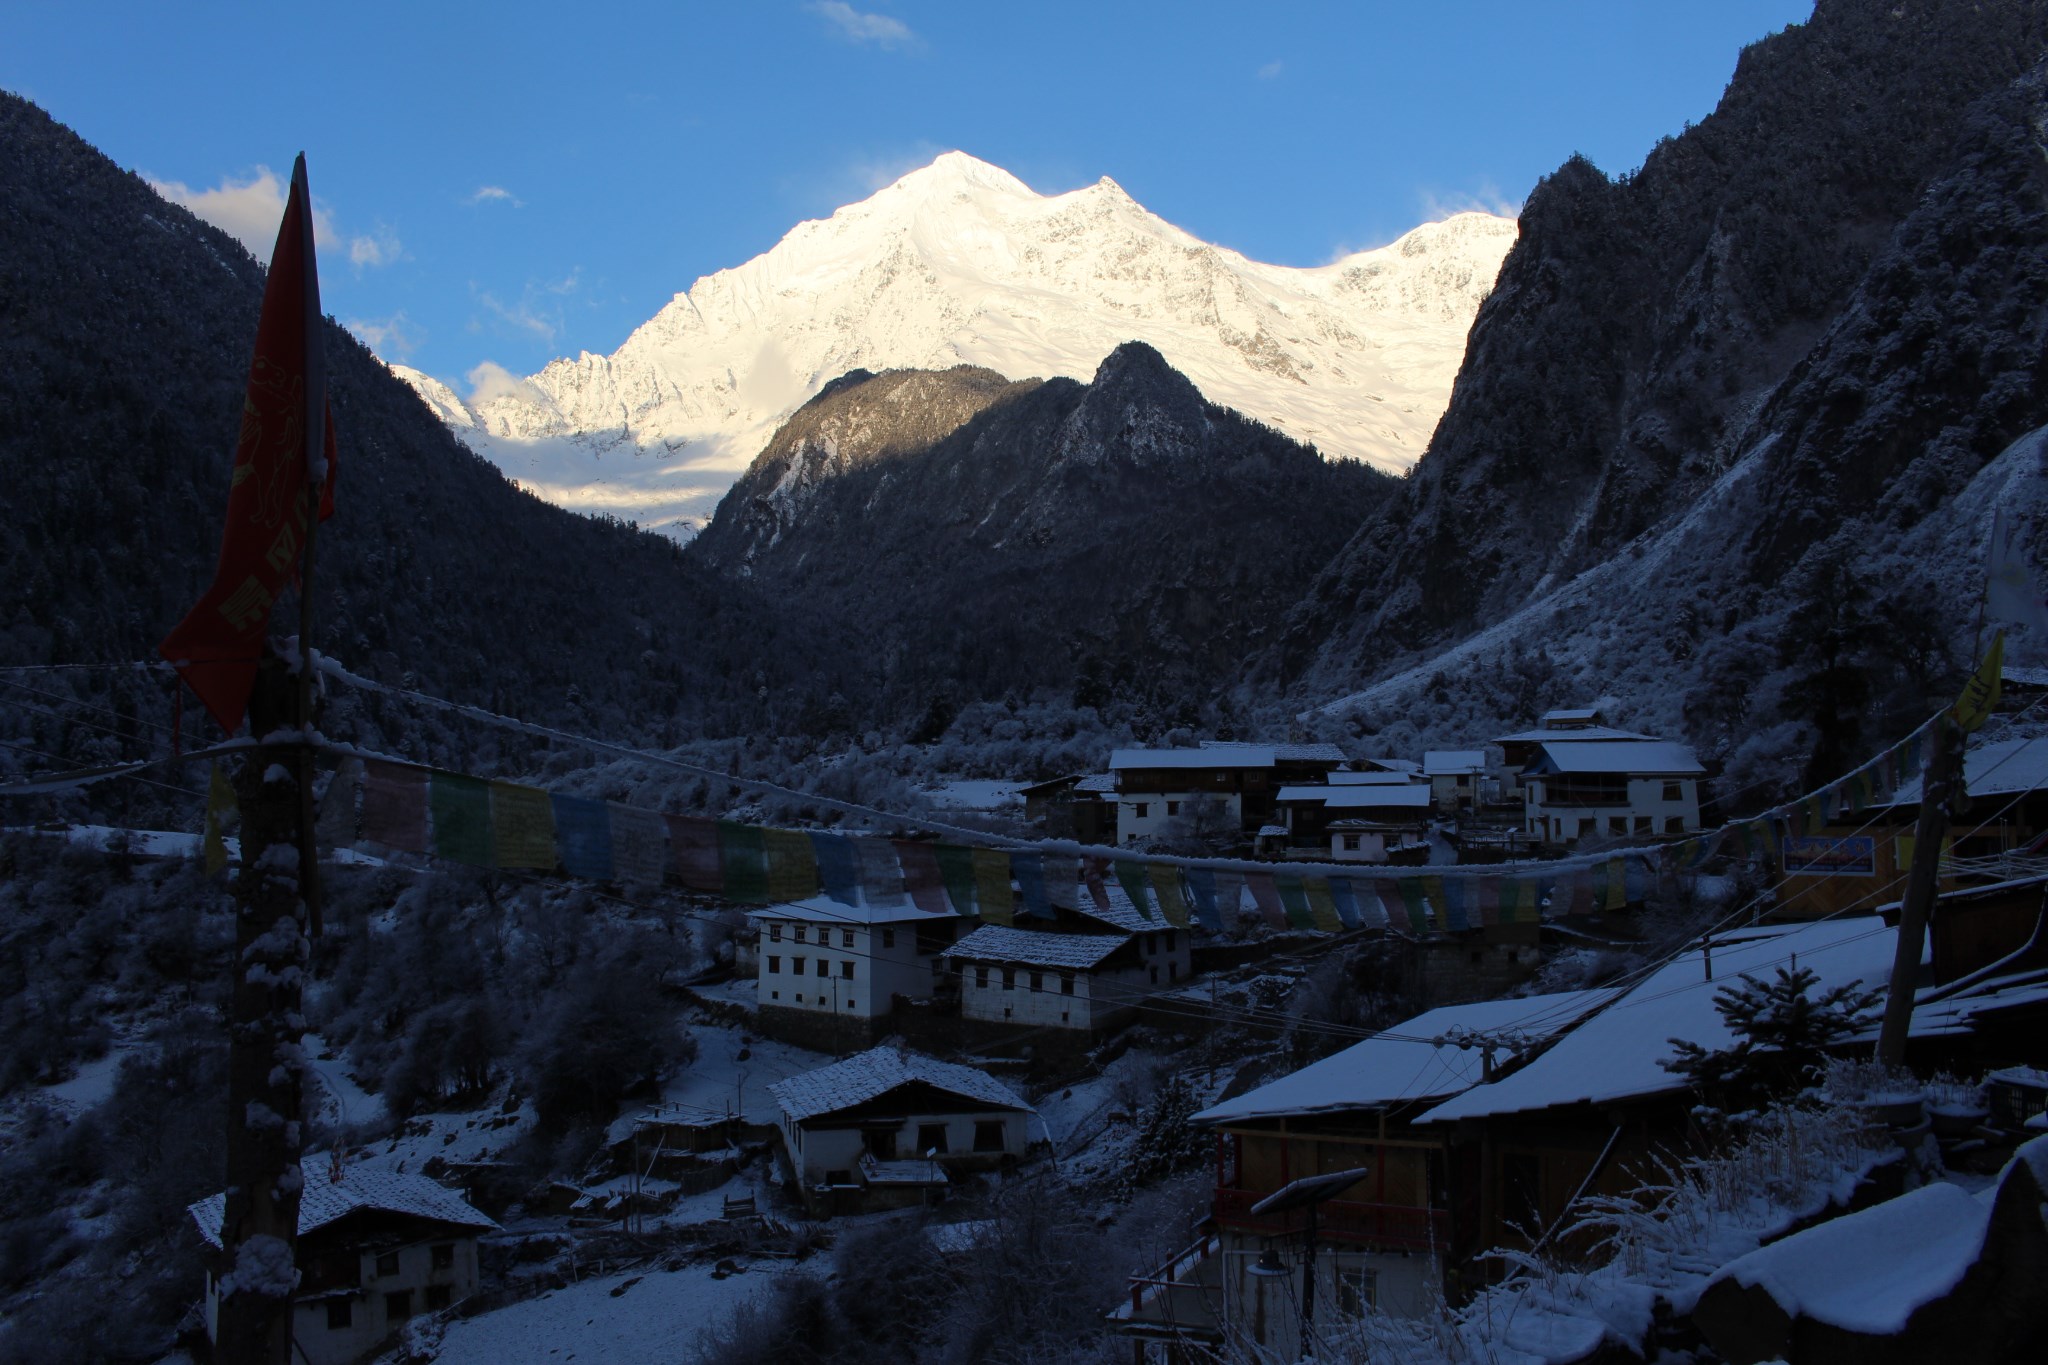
956,870
744,862
992,891
792,869
461,808
1130,875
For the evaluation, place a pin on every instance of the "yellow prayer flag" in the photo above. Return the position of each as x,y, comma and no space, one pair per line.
992,892
522,827
1980,693
220,803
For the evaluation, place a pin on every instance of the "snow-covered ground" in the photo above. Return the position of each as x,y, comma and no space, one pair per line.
643,1318
975,793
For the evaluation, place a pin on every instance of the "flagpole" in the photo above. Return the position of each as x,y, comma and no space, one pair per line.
315,428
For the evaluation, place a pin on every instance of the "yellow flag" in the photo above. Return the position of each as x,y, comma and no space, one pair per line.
1980,693
220,803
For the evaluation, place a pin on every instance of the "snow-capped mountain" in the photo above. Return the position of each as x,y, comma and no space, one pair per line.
962,263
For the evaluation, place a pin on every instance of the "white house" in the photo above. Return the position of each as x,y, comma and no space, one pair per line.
1454,777
1357,821
827,972
375,1248
1157,786
1038,978
1620,788
885,1127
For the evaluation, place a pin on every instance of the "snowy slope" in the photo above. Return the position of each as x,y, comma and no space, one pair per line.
960,262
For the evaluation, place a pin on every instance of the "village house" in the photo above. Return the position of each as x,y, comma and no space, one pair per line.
828,973
1858,862
1086,970
1079,806
1576,789
1455,778
1386,1242
1157,787
375,1248
886,1129
1361,817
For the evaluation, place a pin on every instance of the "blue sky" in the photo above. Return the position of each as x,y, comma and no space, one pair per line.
512,182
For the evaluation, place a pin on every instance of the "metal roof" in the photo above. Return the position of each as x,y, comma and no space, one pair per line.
870,1075
1652,757
1036,947
325,1201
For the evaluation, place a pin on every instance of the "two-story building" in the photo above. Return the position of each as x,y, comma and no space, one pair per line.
375,1248
1363,817
1617,788
1381,1243
886,1128
1236,783
828,974
1086,971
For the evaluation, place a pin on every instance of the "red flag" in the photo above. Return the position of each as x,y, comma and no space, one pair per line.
216,646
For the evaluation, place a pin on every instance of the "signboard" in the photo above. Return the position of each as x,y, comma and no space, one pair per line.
1820,856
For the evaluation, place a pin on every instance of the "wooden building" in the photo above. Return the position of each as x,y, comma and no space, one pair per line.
375,1249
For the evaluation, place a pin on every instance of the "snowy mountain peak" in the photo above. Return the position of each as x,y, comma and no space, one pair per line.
959,262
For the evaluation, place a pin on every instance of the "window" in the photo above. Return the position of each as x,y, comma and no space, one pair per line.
1172,939
1148,945
1009,978
1642,824
387,1263
398,1306
775,995
846,969
438,1296
774,964
846,938
1351,843
981,977
800,933
340,1313
1358,1290
888,938
931,1137
988,1135
799,997
1674,824
444,1256
1154,969
775,932
824,966
1617,824
1673,792
1066,983
1141,809
797,965
1038,981
1173,808
1173,971
882,1144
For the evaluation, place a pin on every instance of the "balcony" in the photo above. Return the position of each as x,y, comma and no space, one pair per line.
1392,1225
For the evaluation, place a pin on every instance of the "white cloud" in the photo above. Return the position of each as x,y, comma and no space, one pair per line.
872,173
857,27
392,338
492,380
1438,206
496,194
1271,69
380,248
249,210
537,312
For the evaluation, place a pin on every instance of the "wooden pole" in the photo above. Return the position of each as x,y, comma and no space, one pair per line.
259,1228
1928,833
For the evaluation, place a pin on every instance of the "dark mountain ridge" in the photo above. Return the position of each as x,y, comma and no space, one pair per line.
1645,331
125,332
986,536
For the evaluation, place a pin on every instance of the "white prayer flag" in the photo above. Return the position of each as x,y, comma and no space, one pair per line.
2009,589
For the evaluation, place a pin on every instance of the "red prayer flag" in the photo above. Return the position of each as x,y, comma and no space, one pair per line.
216,646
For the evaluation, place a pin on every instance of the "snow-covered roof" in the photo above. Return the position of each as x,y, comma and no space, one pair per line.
823,909
1230,756
1572,715
327,1201
1121,914
1394,765
1272,831
1585,734
1402,795
1453,762
1035,947
2023,676
869,1075
1100,783
2004,767
1616,1053
1395,1068
1373,779
1284,753
1659,757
